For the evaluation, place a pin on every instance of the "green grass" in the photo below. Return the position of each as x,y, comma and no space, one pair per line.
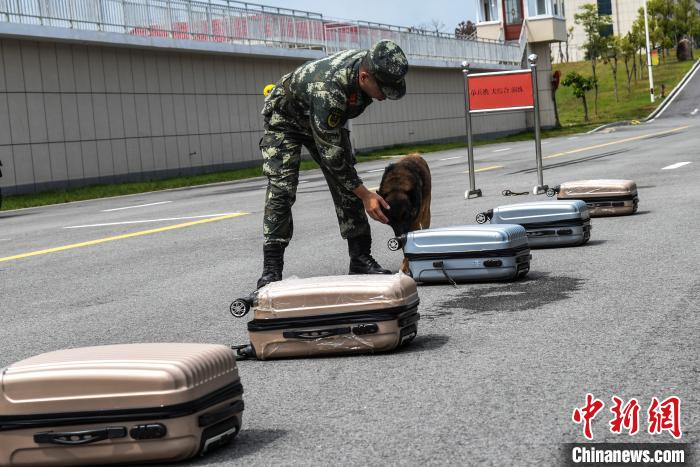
635,105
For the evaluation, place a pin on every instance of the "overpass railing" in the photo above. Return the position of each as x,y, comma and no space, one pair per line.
247,23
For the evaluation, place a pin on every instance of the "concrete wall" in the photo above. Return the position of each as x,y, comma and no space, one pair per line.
73,114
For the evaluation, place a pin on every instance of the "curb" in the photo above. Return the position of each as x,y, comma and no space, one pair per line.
613,124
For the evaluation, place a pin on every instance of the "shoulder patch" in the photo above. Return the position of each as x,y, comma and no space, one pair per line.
334,117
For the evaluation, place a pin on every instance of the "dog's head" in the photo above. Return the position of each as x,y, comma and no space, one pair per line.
402,190
403,212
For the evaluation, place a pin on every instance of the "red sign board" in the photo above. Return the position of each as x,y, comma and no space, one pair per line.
500,91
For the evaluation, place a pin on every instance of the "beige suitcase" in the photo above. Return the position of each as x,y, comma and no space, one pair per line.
603,197
119,404
333,315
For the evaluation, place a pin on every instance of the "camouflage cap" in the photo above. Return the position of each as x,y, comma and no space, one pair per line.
388,64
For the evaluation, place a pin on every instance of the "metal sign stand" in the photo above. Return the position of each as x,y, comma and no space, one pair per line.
540,188
473,192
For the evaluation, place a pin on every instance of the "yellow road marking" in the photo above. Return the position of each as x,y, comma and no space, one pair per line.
626,140
484,169
121,237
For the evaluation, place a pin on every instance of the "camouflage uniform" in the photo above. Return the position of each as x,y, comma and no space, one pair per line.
310,107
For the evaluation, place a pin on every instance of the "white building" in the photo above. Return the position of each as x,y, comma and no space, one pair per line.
544,20
623,13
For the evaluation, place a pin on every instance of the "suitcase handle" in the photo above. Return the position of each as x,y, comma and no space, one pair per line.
315,334
441,265
76,438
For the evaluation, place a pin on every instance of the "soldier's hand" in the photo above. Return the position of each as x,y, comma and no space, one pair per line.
373,204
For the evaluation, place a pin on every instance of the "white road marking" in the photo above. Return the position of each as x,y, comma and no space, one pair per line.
150,220
374,170
450,158
501,150
138,206
573,137
675,166
694,112
5,239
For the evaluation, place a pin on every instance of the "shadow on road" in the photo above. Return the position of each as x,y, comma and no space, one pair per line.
18,214
424,342
595,242
248,442
536,290
578,160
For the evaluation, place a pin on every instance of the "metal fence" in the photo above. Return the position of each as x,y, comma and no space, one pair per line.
246,23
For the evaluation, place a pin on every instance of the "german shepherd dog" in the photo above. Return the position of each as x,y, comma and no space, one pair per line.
406,186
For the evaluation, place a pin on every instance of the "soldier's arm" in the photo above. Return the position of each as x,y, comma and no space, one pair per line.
327,109
326,115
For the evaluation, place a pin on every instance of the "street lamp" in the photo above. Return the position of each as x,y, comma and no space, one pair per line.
651,76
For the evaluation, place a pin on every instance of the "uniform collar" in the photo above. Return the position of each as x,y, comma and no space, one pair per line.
355,88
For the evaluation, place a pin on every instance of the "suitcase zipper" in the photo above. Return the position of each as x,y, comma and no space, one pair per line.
468,254
387,314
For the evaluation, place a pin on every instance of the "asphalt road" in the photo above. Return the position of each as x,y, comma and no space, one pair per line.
497,368
687,102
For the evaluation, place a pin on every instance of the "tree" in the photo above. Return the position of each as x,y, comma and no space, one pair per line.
628,50
437,25
686,21
569,37
556,76
661,27
580,85
595,45
612,53
465,30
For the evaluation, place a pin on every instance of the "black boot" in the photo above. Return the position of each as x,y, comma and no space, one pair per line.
273,263
361,261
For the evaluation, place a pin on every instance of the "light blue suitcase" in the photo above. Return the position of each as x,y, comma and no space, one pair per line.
474,253
548,223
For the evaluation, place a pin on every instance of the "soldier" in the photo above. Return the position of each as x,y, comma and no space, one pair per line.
310,107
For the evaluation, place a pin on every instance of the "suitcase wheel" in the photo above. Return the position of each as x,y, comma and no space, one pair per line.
394,244
239,308
480,218
552,191
244,351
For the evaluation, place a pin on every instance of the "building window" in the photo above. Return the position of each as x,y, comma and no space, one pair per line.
514,12
490,10
545,8
604,7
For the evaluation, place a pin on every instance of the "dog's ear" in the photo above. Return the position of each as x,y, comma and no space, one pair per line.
387,170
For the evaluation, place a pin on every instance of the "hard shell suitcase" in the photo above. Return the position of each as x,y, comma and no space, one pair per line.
333,315
603,197
119,404
466,253
548,223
